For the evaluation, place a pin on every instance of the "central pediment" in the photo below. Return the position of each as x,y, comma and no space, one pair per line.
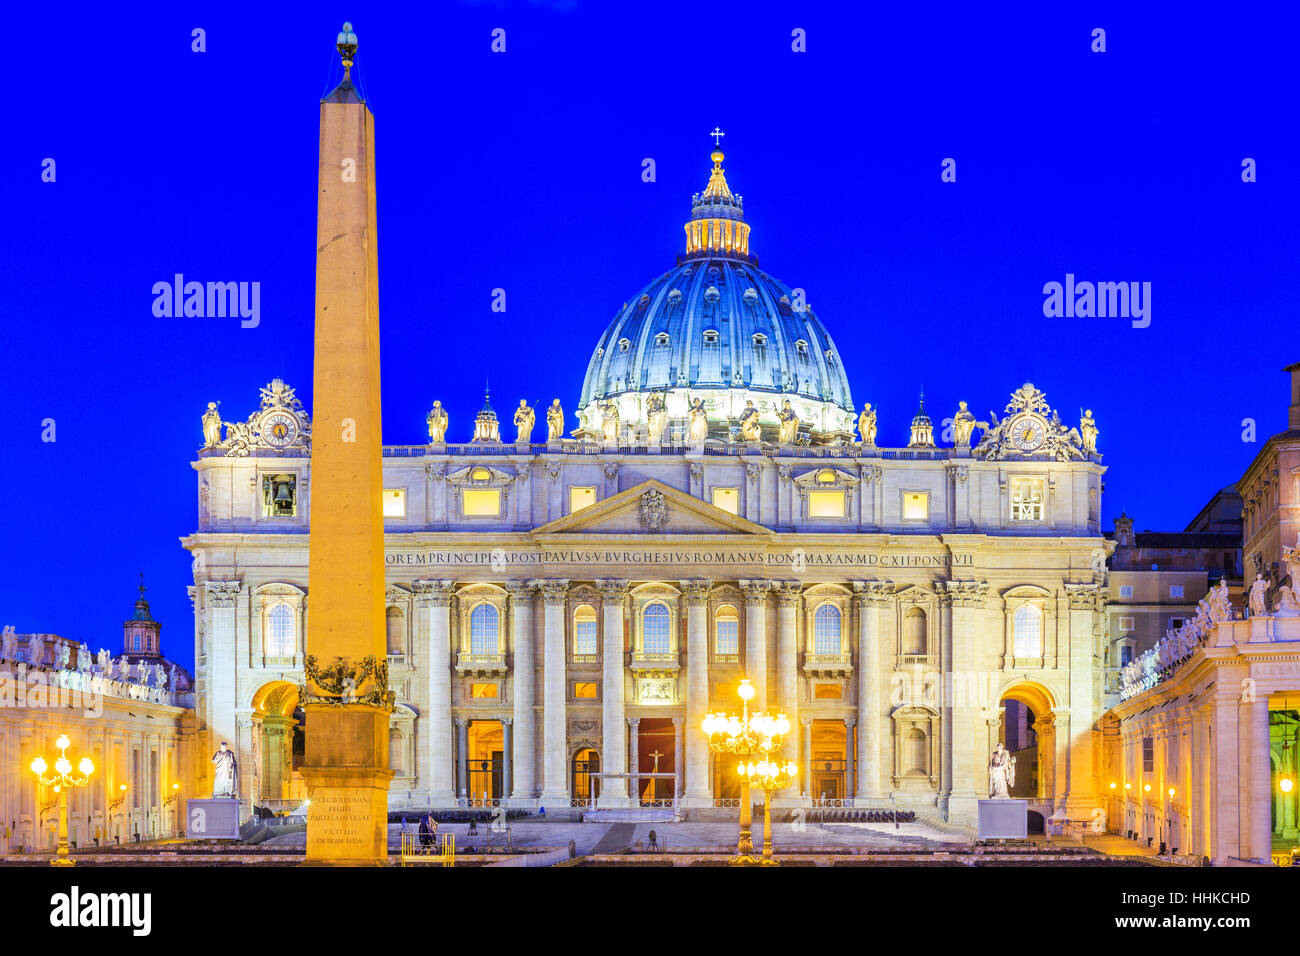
651,507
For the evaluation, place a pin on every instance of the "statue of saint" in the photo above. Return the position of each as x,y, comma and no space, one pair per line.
225,781
65,655
699,423
1002,773
749,423
524,419
105,662
123,669
554,421
963,423
83,658
239,436
211,426
867,425
8,644
656,416
1088,431
1259,596
789,424
36,650
609,422
437,422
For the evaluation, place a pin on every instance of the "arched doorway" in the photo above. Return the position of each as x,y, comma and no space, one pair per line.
1028,731
278,746
585,787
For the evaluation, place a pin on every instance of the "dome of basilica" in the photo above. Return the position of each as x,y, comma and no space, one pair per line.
719,329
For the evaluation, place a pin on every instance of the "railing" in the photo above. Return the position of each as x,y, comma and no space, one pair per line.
726,658
727,803
441,850
483,662
832,802
642,657
478,801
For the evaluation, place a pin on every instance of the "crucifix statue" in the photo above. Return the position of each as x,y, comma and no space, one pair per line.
654,781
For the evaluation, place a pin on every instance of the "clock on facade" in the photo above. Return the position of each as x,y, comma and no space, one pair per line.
279,429
1027,432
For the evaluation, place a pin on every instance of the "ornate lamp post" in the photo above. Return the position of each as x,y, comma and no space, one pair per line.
61,780
768,776
747,736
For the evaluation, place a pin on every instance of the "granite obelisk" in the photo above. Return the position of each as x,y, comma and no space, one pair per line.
345,697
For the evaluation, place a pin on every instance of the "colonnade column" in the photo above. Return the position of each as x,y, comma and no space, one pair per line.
555,787
1257,801
613,726
435,597
522,754
787,663
872,701
697,693
1086,601
756,640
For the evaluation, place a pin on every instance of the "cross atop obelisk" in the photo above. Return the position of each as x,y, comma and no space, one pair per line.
345,696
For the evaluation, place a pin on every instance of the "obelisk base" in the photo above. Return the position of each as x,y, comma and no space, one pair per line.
347,783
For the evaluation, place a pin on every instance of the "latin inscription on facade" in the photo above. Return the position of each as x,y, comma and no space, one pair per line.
796,559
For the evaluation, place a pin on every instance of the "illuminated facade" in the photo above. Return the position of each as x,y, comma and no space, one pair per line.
576,605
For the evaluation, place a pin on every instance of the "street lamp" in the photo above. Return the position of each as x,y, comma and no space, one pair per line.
768,776
746,736
61,780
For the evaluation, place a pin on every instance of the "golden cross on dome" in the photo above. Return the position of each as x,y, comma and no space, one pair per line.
717,135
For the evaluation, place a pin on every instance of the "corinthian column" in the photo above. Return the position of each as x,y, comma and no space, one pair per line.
522,756
966,741
433,599
697,693
1086,603
613,757
787,661
873,702
555,778
756,638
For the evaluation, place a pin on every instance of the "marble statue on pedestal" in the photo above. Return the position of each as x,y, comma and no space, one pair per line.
554,421
867,425
749,430
437,422
8,644
1002,773
656,416
36,650
83,658
105,660
525,417
1259,596
124,669
609,422
225,781
65,655
789,424
963,423
211,426
699,423
1088,432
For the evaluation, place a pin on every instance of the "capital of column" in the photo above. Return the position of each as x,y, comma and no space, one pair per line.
873,593
696,592
634,722
611,589
806,721
507,721
787,593
554,590
1086,597
462,722
433,593
850,722
521,592
756,592
963,593
678,722
222,593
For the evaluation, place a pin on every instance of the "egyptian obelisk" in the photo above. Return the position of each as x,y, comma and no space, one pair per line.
345,696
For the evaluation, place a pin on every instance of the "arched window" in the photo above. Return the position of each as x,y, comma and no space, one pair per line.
826,631
584,631
656,635
279,631
726,634
1028,630
484,628
396,626
914,632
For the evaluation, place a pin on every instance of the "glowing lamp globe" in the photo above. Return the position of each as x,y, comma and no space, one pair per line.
1286,784
39,766
87,766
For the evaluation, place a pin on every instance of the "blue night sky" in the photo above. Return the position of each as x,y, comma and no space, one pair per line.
523,171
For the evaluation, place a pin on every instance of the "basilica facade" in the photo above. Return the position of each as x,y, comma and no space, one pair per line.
563,611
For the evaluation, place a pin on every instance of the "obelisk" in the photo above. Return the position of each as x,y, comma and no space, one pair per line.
345,697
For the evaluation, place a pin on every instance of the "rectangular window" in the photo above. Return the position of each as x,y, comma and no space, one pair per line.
826,504
828,692
1125,655
1148,755
482,690
1175,590
580,498
916,506
727,641
394,502
1126,623
584,690
1175,622
279,496
728,499
1026,499
584,638
1126,590
481,502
